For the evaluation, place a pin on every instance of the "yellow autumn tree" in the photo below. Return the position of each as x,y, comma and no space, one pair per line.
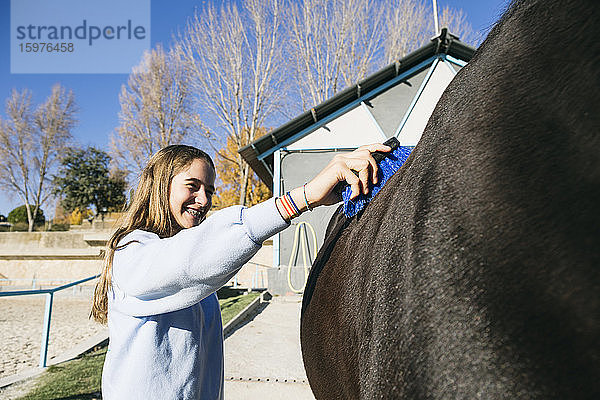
228,163
77,216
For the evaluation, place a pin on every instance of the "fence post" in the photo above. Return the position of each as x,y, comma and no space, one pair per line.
255,278
46,331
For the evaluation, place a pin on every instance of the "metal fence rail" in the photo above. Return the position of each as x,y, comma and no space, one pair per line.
258,275
48,311
34,283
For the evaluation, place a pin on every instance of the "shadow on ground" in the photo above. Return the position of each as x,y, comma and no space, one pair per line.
249,318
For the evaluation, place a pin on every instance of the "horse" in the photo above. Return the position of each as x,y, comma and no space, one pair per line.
474,273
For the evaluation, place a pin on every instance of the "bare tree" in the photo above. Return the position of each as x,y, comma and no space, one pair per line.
409,24
156,110
336,43
236,58
31,142
456,21
333,44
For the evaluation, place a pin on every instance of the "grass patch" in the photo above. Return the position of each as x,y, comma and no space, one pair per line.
231,306
80,379
76,379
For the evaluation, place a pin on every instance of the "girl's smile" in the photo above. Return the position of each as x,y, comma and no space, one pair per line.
190,194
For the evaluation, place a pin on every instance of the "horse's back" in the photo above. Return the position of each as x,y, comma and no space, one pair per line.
474,272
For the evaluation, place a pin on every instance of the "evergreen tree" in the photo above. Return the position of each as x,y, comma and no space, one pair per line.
19,216
84,180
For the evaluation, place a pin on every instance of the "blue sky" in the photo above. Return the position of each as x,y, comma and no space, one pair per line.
97,94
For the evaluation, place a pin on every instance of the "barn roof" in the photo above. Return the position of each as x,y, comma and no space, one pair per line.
259,154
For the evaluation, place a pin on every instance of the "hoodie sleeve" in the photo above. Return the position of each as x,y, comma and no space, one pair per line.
153,276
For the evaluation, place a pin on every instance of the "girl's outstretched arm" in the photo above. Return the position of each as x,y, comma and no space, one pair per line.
154,275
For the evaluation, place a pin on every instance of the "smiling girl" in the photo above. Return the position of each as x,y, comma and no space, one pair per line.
166,260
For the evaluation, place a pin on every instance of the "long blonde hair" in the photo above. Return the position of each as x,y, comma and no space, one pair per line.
148,210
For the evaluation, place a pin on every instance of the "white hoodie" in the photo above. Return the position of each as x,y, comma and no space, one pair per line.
164,319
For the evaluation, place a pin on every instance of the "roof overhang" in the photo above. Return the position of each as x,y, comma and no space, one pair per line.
259,154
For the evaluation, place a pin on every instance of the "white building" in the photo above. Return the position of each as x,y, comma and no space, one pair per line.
395,101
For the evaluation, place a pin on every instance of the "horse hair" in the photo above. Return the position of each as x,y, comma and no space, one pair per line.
474,273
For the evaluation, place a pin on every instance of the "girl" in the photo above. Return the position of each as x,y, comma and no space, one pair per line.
165,262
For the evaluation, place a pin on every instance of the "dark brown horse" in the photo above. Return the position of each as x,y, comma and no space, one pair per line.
475,272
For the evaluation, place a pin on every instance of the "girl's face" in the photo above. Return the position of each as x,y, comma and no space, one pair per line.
190,195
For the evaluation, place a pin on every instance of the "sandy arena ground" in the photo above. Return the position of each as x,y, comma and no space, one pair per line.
21,322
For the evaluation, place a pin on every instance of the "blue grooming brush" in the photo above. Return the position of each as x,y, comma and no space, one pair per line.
388,164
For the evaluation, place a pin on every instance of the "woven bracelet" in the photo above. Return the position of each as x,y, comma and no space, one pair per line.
296,209
305,199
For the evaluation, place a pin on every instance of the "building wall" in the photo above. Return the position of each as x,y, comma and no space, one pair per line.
352,129
402,109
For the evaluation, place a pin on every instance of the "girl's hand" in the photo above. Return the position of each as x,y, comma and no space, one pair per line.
319,191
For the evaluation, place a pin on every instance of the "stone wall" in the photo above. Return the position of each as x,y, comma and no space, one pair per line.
48,259
26,241
48,272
